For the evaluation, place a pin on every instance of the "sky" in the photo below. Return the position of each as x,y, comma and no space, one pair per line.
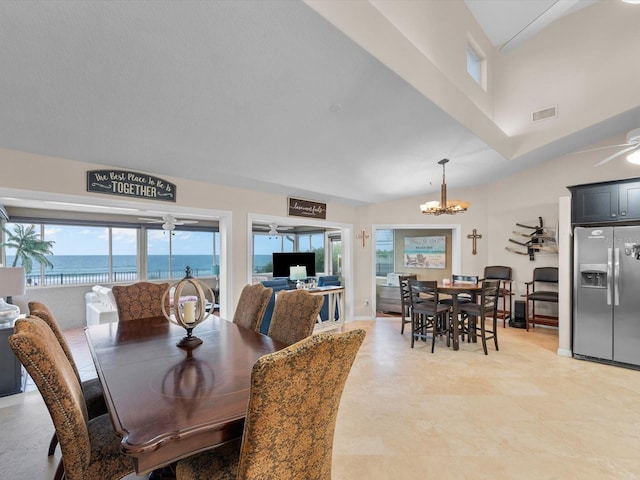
84,240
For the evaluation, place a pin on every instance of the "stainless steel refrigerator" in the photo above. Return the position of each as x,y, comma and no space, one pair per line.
606,309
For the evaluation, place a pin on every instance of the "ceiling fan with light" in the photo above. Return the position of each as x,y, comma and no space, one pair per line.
274,228
168,221
631,149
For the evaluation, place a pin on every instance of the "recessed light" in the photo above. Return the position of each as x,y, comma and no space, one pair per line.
634,2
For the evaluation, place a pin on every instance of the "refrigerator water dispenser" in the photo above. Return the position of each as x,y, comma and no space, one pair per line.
593,275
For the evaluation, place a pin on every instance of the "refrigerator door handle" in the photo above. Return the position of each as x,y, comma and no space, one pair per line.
616,277
609,275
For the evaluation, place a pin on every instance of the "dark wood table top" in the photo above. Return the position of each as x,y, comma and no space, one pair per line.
167,402
459,287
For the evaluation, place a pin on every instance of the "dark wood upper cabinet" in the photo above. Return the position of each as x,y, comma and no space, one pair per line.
606,202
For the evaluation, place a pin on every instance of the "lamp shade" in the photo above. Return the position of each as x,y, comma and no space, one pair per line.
12,281
298,272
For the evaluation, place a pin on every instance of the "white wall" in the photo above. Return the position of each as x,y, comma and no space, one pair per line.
495,209
35,176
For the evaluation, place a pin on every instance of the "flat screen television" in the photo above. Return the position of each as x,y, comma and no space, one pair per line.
282,262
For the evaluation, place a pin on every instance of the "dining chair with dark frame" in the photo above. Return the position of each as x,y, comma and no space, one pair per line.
427,313
505,292
475,315
539,290
405,300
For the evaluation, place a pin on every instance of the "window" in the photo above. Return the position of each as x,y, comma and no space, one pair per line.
264,245
82,254
78,254
313,242
170,253
335,247
476,65
384,252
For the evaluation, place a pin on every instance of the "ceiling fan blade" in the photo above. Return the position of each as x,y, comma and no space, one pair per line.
602,148
184,222
151,220
616,155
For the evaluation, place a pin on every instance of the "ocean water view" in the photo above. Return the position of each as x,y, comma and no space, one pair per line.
74,269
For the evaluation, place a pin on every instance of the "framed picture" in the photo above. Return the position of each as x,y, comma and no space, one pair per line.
425,252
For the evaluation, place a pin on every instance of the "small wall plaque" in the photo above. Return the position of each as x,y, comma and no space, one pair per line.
130,184
307,208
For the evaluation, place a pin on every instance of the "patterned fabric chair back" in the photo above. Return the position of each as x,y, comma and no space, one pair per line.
39,309
140,300
252,305
289,431
291,417
294,315
39,351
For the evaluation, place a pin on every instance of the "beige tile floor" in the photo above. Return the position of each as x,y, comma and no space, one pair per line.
520,413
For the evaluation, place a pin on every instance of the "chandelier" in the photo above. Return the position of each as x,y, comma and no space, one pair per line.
443,206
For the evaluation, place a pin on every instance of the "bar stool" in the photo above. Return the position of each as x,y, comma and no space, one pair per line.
427,313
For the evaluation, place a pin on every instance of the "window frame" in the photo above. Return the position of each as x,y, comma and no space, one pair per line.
41,223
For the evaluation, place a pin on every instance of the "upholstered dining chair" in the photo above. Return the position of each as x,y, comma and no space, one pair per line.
252,305
90,448
476,314
140,300
294,315
91,389
290,423
427,313
405,300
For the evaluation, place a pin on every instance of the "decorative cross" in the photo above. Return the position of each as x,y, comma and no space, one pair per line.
363,235
474,236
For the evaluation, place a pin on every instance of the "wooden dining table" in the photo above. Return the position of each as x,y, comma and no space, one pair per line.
454,289
167,402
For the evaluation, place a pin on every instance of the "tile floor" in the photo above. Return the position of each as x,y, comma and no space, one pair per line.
520,413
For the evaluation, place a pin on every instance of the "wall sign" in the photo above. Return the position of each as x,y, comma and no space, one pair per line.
425,252
307,208
130,184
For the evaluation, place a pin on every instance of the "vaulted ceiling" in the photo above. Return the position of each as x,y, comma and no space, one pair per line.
285,96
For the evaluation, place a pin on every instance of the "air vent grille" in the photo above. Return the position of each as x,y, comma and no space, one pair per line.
543,114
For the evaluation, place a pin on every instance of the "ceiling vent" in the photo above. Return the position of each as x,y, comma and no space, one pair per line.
543,114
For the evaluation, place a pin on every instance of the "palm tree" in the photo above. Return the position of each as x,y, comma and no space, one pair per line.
28,246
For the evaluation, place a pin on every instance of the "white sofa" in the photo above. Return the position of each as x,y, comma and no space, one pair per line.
100,306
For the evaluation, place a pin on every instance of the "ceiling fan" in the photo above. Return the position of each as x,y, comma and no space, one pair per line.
168,221
631,147
274,228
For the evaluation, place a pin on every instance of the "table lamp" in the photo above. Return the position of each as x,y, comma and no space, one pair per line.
298,274
12,282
